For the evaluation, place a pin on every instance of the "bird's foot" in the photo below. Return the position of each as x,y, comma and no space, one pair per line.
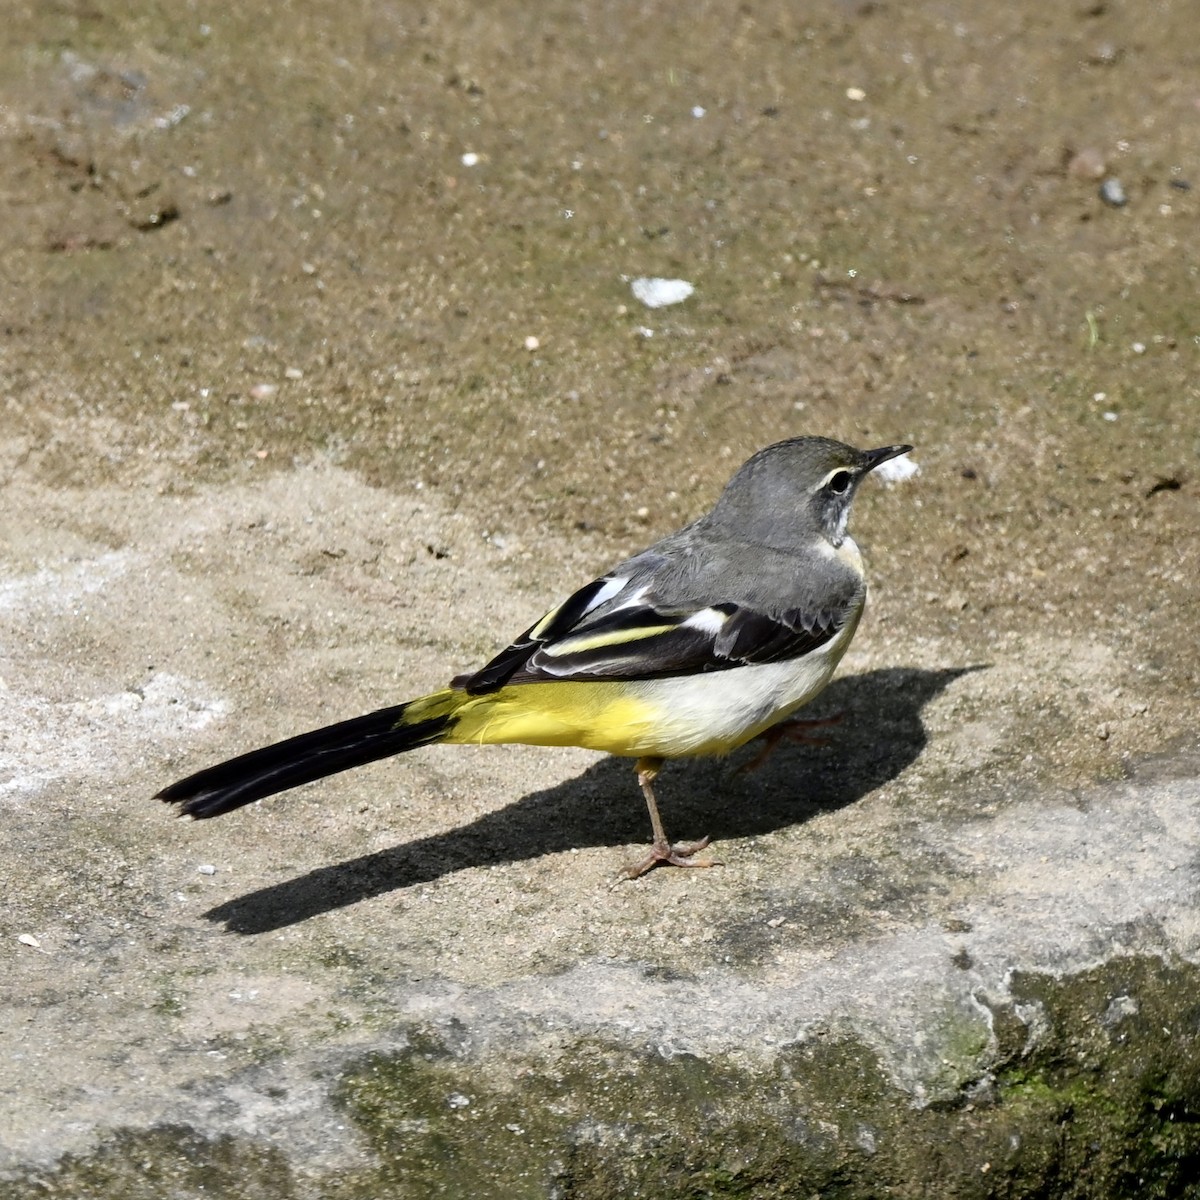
794,729
681,854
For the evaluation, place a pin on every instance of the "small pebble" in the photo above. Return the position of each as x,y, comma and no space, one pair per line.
697,112
457,1100
470,159
206,869
293,373
1087,164
27,939
658,293
897,470
1112,193
262,391
855,93
531,343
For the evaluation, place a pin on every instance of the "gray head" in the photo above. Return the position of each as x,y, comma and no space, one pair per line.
792,490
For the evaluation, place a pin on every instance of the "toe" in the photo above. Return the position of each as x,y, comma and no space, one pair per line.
681,854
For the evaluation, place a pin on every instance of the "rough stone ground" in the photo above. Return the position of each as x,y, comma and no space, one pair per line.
275,451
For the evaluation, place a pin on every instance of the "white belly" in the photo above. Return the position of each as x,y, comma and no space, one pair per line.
717,712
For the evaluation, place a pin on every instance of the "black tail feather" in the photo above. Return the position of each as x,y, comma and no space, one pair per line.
301,759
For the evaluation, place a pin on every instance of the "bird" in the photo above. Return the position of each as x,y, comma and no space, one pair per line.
709,638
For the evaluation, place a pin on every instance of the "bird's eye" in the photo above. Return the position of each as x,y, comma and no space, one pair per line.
839,482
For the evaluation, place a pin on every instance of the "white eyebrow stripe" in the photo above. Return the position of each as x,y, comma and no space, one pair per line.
707,620
612,588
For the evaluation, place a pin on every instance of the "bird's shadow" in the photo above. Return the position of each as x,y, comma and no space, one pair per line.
880,734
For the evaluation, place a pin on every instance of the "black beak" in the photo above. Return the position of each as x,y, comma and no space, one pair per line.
875,457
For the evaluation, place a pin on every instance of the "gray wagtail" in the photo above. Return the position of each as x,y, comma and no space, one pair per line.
713,636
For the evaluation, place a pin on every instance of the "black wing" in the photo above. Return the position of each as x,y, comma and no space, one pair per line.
597,634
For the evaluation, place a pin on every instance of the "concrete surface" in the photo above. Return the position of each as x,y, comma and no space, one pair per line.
276,450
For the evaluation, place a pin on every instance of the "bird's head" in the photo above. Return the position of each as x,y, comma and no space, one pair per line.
793,490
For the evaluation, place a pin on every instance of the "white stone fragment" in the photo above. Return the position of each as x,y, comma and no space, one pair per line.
897,470
658,293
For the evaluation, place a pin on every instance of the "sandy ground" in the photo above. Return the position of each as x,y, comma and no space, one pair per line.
277,448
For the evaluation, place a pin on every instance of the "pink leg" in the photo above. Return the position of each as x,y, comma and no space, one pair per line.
794,729
661,851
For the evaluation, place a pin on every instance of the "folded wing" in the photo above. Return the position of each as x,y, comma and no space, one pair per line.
612,629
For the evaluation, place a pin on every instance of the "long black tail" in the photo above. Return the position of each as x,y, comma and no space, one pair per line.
301,759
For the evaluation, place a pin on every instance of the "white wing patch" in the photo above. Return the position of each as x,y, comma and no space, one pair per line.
707,620
633,600
612,588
